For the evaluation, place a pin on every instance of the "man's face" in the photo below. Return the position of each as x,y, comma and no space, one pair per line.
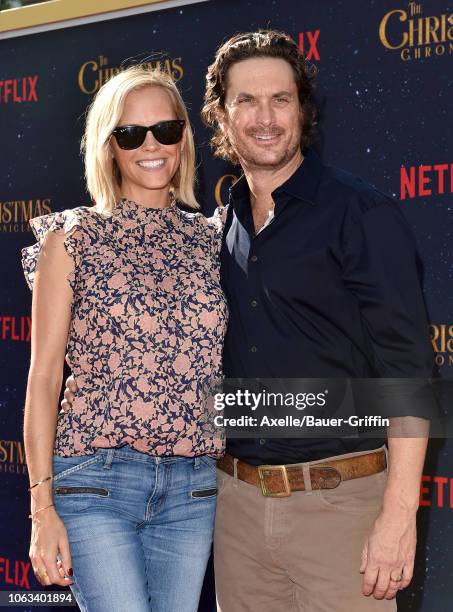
262,117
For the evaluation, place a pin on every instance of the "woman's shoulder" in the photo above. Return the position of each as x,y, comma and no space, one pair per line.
218,219
213,223
74,225
64,221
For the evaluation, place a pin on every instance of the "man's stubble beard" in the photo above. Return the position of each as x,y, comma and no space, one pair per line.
250,159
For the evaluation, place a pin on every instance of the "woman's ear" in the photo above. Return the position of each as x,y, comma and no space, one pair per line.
184,137
110,147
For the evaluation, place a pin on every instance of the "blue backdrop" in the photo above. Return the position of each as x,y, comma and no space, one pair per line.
384,89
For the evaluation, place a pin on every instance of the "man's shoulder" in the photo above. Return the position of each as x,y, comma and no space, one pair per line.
350,191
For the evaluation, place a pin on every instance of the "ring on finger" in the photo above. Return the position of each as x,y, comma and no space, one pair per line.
398,578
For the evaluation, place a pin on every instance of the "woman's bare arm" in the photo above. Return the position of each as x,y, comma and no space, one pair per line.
51,315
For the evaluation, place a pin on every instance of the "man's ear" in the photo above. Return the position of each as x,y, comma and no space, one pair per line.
222,118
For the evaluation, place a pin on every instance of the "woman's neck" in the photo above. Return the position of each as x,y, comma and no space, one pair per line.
151,198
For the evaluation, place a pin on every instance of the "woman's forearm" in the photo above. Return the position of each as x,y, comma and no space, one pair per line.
40,422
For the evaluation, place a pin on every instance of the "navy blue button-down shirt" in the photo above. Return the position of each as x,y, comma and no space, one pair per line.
330,288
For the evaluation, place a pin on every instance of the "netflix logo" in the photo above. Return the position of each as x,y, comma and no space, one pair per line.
436,492
426,180
14,572
17,329
19,90
308,44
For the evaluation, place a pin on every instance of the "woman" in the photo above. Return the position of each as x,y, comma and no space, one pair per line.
123,483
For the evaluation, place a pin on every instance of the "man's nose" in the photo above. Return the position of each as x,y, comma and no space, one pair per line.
265,113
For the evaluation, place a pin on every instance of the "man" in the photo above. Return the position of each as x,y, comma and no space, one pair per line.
321,279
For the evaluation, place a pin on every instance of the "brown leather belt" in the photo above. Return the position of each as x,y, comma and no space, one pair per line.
281,480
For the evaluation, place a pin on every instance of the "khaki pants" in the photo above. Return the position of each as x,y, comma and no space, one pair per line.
299,553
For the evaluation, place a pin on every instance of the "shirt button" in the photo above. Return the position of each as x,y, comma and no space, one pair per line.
253,349
254,303
262,441
254,258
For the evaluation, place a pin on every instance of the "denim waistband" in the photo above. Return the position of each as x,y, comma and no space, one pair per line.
129,453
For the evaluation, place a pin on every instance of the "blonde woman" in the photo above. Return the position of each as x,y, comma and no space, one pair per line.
122,482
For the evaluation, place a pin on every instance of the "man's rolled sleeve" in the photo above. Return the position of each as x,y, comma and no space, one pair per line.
382,269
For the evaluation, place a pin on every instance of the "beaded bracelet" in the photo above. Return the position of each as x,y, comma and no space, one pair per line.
39,510
40,482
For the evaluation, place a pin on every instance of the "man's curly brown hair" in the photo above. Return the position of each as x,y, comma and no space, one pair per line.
264,43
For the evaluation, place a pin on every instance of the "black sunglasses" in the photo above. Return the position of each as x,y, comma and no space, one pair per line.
165,132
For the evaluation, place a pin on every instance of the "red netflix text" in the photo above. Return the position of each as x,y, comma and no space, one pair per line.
19,90
310,40
424,181
436,492
14,572
17,329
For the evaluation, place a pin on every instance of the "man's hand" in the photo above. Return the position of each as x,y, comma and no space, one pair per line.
69,393
388,554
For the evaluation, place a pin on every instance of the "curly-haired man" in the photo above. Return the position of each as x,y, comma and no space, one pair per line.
320,274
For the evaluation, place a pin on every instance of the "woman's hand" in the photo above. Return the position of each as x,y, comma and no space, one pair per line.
48,538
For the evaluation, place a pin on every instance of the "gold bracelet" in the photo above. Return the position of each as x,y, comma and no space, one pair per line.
36,511
40,482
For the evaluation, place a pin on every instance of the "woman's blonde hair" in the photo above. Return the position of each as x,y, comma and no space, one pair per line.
102,174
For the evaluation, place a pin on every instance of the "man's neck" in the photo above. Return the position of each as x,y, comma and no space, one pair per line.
263,181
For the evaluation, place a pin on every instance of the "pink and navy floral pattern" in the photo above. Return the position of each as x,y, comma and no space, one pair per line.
148,320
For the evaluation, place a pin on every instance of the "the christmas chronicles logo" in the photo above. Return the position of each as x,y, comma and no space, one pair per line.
16,214
415,35
442,341
12,457
221,192
95,72
426,180
308,44
22,89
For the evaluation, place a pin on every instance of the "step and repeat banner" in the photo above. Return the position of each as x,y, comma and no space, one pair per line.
384,94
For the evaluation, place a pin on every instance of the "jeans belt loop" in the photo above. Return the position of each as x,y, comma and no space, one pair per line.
235,472
109,458
307,478
235,468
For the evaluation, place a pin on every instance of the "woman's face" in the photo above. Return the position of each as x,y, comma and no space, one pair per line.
147,172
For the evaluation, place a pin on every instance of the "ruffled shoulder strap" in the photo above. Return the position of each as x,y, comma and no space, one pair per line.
66,222
218,219
214,226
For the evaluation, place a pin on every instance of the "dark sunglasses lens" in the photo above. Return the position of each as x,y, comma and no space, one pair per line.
130,137
168,132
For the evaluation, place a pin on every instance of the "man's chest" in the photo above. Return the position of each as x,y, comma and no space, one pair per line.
295,254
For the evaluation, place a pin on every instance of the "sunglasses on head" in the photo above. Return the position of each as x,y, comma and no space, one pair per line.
165,132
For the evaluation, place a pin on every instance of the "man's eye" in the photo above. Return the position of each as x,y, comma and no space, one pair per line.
282,100
241,100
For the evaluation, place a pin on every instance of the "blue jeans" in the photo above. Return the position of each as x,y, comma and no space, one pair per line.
139,527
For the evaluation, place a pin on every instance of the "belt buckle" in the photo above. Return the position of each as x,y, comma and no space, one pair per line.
262,469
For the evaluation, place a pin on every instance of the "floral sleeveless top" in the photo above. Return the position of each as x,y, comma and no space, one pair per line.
147,328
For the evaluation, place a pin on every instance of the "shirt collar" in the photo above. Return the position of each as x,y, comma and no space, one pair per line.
133,214
302,184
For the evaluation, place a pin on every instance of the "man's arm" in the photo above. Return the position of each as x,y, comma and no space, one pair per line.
382,269
389,550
